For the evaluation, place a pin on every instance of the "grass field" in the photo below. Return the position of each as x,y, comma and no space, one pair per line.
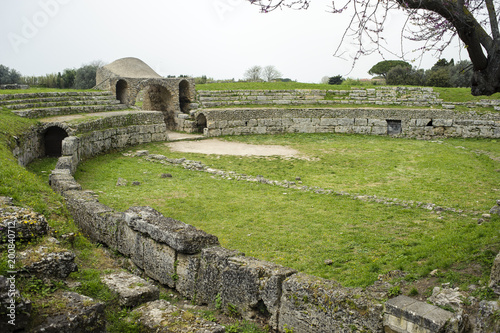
303,229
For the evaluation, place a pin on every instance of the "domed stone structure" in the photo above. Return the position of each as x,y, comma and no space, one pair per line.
136,83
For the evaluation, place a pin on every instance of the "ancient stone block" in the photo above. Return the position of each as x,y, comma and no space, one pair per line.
44,262
159,261
162,317
253,287
131,289
78,313
70,146
187,274
208,285
130,244
495,275
442,122
311,304
26,224
404,314
180,236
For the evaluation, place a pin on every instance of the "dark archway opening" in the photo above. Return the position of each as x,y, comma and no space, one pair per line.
394,127
184,99
122,91
158,98
201,123
52,139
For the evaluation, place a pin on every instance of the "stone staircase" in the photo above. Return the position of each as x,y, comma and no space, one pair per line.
407,96
39,105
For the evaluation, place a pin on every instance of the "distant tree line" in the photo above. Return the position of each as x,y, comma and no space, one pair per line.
81,78
443,74
257,73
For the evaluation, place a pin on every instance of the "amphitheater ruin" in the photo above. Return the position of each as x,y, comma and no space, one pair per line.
191,261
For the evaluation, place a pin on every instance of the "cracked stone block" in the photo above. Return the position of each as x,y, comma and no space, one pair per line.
404,314
495,275
180,236
47,262
131,289
15,311
76,314
311,304
25,223
162,317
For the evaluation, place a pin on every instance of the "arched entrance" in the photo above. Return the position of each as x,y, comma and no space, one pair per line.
52,139
122,91
184,96
158,98
201,123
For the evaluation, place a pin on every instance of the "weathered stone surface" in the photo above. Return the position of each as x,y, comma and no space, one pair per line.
208,283
131,289
403,314
48,262
253,286
311,304
61,181
447,297
121,182
24,223
97,221
159,261
162,317
495,275
487,319
15,311
495,209
181,237
78,314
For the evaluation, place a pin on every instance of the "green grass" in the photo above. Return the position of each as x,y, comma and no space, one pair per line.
303,229
33,90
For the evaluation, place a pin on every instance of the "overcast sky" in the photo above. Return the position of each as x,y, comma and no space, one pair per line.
216,38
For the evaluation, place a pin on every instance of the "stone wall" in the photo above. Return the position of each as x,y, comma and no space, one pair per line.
415,123
95,137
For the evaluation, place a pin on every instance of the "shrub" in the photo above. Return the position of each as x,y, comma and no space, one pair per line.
335,80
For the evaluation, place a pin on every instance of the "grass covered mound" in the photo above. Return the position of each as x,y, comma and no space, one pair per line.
302,230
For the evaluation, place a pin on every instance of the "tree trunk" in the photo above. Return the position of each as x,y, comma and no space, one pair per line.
487,80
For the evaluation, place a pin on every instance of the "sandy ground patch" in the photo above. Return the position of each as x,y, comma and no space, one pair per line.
219,147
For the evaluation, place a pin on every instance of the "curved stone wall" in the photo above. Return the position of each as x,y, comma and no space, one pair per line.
414,123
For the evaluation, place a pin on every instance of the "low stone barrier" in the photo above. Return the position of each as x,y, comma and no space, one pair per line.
413,123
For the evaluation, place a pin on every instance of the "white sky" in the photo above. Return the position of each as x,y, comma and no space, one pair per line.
216,38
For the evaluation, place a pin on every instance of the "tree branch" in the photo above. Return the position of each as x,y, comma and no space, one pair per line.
493,19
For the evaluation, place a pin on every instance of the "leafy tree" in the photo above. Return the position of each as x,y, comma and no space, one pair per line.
68,78
443,63
86,77
336,80
270,73
9,76
253,73
402,75
461,74
434,22
383,67
439,77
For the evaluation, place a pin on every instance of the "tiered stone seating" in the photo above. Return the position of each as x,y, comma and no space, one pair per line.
39,105
407,96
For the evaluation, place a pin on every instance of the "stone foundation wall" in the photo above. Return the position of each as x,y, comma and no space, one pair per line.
95,137
415,123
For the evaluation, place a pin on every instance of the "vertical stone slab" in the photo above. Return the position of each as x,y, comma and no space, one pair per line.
159,262
187,274
311,304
